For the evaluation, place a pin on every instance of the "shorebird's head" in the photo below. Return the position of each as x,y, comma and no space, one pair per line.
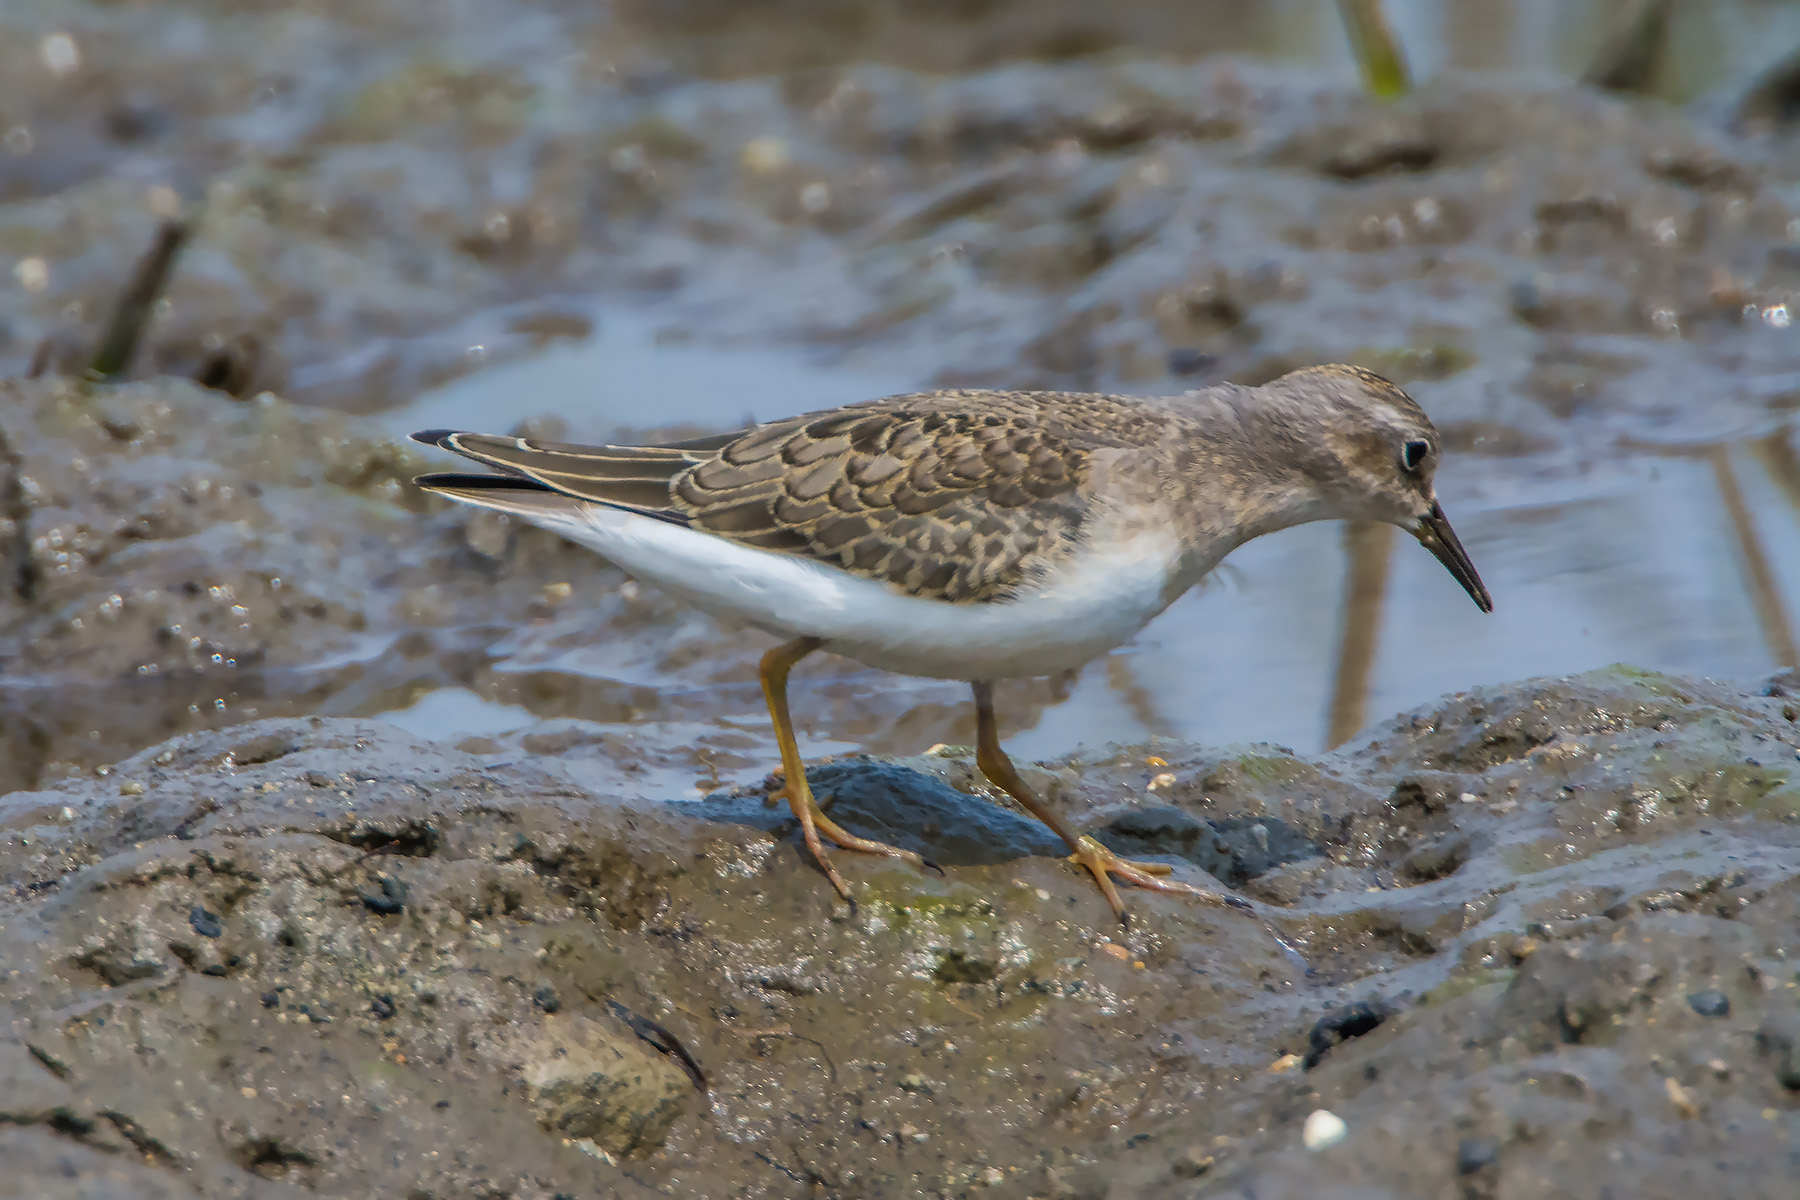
1379,460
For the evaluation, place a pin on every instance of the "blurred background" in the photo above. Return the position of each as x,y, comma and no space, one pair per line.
1569,227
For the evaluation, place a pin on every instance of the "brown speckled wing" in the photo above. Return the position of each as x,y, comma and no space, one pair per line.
953,506
952,496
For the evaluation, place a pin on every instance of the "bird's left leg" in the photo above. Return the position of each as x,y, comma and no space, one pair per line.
774,672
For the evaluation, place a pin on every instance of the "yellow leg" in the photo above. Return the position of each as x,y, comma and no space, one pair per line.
774,671
1103,863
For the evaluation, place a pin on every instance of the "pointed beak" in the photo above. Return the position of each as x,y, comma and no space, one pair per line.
1434,533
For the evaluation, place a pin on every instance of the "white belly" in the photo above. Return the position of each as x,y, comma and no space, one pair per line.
1072,619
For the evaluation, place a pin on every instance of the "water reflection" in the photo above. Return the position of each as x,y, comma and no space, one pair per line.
1683,562
1368,547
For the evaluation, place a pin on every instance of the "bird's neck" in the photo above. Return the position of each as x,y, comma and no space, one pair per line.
1257,459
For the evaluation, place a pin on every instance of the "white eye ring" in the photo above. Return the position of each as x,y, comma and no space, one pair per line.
1412,455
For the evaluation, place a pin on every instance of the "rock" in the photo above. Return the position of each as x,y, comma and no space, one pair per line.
1323,1129
1436,859
1233,850
388,900
1710,1003
1475,1154
1191,1163
205,923
588,1081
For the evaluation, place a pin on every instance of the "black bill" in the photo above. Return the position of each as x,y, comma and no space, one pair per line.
1435,534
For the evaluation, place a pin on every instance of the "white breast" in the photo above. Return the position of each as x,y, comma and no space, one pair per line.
1093,606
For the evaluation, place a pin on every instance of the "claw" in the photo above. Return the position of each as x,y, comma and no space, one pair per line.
1104,864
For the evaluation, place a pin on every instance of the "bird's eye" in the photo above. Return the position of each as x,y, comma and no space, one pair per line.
1413,454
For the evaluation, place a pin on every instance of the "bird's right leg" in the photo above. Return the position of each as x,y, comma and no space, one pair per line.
1102,863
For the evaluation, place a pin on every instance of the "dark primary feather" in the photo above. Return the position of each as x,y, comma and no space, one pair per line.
956,496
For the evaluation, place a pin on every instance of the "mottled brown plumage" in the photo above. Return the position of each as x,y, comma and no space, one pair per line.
956,496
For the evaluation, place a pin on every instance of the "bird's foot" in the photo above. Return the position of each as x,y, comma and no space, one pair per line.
814,822
1104,864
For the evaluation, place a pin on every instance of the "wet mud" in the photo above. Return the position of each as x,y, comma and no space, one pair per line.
353,845
1530,942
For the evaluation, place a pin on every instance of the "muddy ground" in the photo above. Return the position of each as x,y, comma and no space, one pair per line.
1536,941
1530,941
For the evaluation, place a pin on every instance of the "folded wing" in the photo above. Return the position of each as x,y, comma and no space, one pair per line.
952,502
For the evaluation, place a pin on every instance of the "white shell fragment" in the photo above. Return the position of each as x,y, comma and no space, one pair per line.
1323,1128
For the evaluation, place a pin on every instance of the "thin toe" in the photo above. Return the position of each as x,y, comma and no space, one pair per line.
1103,864
850,841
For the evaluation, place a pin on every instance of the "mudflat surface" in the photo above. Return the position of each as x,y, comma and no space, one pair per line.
351,844
1535,941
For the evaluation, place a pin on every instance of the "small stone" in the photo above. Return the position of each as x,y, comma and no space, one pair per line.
1710,1003
1679,1098
59,53
1185,360
32,273
547,1000
1117,951
764,155
1472,1154
141,120
1191,1163
992,1176
270,999
204,923
1323,1129
383,1007
391,900
131,787
1286,1062
1166,779
914,1083
598,1082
